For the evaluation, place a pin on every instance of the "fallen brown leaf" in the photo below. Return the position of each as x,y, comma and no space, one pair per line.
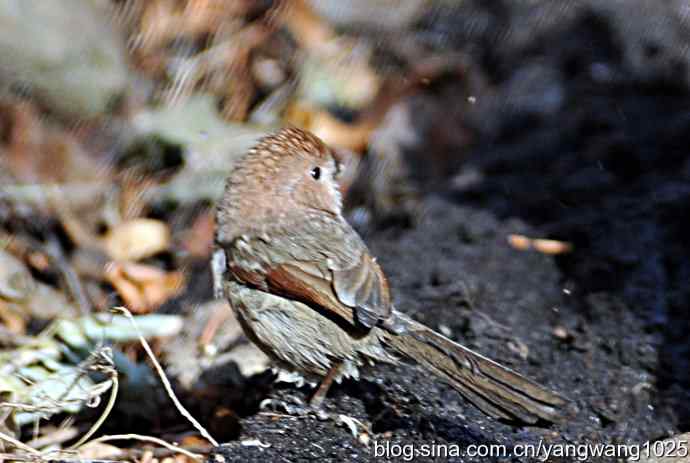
545,246
12,320
308,29
334,132
137,239
99,451
143,288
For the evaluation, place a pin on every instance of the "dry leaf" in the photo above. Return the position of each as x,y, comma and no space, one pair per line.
146,457
16,283
195,441
545,246
306,27
99,451
11,319
137,239
47,302
520,242
143,287
552,246
40,152
334,132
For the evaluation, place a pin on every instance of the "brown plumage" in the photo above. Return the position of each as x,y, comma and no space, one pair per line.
310,295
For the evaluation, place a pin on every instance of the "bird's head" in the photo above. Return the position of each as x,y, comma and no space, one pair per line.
288,174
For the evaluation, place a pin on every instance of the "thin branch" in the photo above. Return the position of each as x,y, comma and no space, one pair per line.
18,444
108,408
165,381
70,278
155,440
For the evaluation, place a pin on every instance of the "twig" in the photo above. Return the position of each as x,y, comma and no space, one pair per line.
280,415
9,338
58,436
38,194
13,457
69,276
109,406
492,322
155,440
165,381
52,252
18,444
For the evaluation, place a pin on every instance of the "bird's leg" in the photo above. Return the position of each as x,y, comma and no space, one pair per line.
316,399
297,407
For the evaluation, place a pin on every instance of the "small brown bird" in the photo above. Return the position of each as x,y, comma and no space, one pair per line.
309,294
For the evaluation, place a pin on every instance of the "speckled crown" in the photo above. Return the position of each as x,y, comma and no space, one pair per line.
291,139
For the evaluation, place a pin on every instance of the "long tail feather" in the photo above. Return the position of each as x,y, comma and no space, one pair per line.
496,390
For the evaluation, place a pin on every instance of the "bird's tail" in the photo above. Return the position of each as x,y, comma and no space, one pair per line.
494,389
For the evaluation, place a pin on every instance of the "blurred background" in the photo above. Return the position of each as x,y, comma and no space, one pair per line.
520,167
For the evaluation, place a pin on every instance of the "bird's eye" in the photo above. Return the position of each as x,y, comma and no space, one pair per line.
316,173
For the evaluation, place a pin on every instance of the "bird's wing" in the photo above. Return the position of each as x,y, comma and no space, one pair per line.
326,266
